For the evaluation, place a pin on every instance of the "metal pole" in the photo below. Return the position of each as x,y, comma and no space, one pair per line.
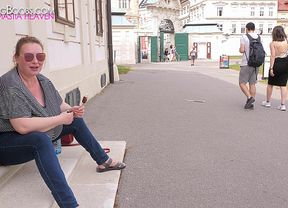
109,42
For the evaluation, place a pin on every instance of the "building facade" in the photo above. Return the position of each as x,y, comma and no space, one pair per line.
157,14
226,20
74,36
283,14
125,21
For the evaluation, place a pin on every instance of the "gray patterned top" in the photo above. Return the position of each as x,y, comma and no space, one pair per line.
16,101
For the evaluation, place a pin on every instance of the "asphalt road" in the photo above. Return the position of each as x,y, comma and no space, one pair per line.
190,143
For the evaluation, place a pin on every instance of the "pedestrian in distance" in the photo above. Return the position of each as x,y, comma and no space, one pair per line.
32,115
193,56
278,70
248,72
166,54
172,53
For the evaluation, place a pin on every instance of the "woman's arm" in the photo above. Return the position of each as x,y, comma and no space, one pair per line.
272,58
41,124
272,55
65,107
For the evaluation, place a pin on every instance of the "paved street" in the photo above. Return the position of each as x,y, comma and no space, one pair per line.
190,143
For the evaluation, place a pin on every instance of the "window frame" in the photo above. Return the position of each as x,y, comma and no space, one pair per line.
261,12
243,28
270,12
233,28
64,20
99,18
252,11
270,28
261,28
220,11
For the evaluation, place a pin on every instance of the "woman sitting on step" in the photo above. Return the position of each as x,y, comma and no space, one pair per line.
32,115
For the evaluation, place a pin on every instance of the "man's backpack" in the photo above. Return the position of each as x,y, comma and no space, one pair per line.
256,52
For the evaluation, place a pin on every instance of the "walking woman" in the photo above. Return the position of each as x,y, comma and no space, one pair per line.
278,71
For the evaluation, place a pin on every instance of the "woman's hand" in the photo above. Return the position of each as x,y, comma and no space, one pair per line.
66,117
271,72
78,111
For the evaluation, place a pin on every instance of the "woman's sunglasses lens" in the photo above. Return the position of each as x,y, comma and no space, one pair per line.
28,57
40,56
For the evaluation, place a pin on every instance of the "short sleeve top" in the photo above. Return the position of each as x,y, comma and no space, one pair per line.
245,41
16,101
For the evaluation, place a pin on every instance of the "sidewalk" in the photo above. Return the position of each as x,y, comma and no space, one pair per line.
211,68
231,76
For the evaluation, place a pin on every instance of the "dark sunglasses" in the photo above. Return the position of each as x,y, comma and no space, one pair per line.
28,57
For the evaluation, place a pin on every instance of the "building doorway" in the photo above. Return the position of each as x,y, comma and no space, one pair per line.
147,49
166,29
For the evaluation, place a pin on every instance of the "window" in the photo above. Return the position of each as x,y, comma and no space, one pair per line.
261,11
260,29
233,28
64,12
99,20
270,28
124,4
252,12
219,11
270,11
243,28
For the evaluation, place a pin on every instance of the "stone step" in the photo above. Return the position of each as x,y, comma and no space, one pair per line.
6,172
23,185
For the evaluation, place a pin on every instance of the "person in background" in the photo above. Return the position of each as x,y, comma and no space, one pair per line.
193,56
166,54
278,70
172,53
247,73
32,115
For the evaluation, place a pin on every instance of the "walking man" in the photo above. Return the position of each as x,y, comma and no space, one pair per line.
248,74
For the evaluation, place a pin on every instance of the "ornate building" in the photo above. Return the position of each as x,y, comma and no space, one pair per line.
125,30
158,16
283,14
216,26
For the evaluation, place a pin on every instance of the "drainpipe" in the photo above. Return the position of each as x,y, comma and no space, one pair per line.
109,42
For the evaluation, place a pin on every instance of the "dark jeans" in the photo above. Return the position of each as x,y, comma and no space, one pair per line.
16,149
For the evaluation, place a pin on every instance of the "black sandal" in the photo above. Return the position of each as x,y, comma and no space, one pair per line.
107,167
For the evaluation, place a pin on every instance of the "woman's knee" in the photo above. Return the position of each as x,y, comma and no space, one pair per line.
78,123
39,139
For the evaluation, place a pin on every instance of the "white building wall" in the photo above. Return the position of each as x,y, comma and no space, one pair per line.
124,45
76,57
236,13
125,34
